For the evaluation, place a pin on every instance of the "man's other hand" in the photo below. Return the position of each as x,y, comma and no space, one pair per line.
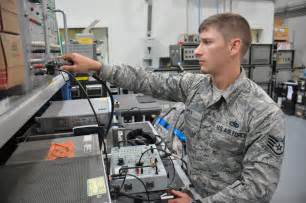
180,197
81,64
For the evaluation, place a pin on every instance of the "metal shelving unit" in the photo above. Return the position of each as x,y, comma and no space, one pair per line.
15,111
39,37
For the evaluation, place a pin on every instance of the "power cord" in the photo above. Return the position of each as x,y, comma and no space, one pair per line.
139,198
100,127
112,101
135,198
146,190
167,155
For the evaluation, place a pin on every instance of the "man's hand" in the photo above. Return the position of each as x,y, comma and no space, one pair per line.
81,64
180,197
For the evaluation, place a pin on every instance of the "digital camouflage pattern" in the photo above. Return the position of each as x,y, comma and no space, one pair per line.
235,141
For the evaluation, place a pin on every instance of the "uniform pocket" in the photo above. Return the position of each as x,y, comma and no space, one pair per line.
228,139
192,122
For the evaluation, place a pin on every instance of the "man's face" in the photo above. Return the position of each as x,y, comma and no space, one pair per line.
212,52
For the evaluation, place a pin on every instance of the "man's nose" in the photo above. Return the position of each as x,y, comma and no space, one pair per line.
197,51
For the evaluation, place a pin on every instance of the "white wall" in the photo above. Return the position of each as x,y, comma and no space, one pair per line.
260,14
168,21
127,21
297,30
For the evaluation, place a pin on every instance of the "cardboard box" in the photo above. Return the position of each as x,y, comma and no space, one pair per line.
9,5
9,21
281,34
2,59
11,77
11,61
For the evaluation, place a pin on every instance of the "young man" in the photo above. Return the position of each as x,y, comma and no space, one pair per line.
235,132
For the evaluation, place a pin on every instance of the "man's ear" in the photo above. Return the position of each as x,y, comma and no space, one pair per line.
235,46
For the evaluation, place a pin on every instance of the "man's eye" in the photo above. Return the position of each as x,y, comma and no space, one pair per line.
206,42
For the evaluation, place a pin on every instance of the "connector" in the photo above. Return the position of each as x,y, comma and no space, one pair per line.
139,163
128,187
120,161
150,185
51,66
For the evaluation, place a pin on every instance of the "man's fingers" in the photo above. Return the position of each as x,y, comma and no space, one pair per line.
172,201
69,56
69,68
177,193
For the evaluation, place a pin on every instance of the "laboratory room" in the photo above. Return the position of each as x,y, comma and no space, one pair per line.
153,101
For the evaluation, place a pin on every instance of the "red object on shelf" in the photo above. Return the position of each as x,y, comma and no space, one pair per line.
38,66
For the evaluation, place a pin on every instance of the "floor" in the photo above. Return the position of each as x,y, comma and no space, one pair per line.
292,186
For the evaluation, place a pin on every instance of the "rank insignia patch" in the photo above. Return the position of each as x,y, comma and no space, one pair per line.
277,145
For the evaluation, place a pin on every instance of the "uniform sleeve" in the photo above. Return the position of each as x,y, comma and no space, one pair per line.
261,164
171,87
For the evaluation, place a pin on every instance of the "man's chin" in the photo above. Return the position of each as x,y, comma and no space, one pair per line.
204,70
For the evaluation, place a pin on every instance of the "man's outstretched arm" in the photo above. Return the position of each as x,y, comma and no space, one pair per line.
171,87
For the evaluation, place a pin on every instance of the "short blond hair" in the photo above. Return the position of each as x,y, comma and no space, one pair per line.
230,25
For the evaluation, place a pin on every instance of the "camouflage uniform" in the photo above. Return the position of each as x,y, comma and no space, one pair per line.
235,142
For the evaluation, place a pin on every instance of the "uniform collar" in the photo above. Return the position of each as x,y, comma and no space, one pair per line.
235,88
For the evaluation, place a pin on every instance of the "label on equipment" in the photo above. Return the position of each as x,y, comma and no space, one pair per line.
87,148
289,93
87,138
299,98
61,150
96,186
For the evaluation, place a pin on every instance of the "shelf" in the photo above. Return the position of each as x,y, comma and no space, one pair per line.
15,111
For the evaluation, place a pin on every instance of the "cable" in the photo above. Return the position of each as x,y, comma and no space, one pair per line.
137,198
112,102
161,140
176,122
84,91
186,165
167,155
161,117
147,192
165,114
183,143
174,174
165,142
51,67
64,77
95,114
122,169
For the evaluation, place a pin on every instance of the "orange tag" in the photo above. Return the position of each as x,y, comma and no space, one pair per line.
61,150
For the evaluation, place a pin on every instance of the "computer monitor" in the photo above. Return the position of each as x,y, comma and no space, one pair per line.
261,54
